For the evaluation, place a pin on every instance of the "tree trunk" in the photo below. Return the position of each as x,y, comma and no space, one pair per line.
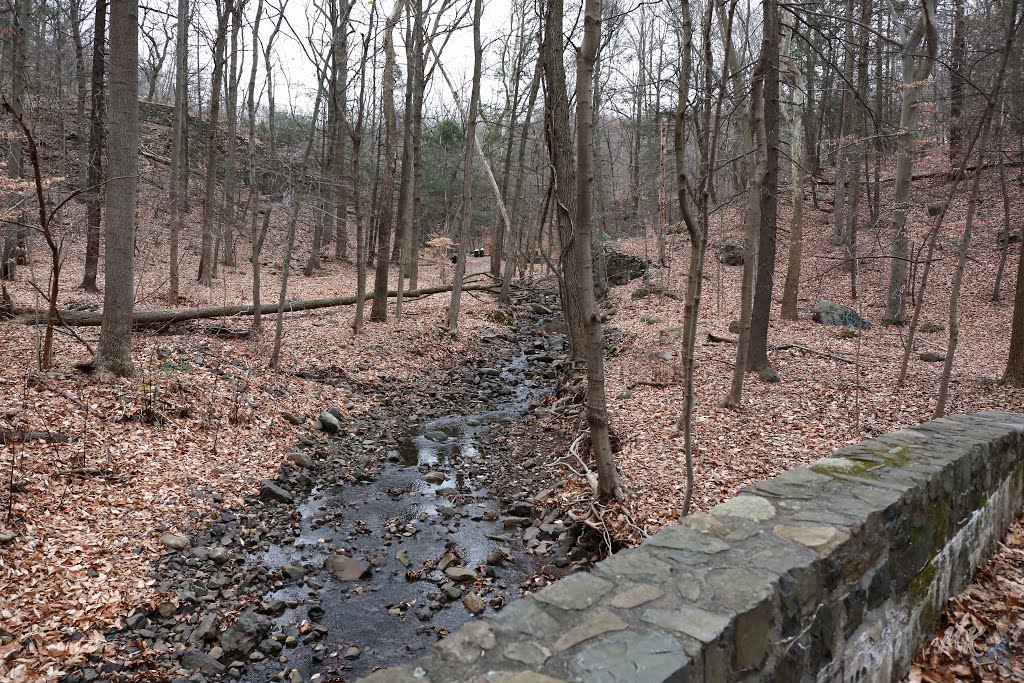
96,142
855,147
1004,235
1014,375
295,198
356,133
839,212
513,243
409,248
81,83
386,208
467,172
556,120
163,317
917,67
877,148
609,484
753,222
114,351
22,16
178,157
794,114
206,256
338,14
958,53
708,144
230,257
757,353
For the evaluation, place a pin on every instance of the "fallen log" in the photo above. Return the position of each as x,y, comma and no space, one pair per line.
32,316
926,175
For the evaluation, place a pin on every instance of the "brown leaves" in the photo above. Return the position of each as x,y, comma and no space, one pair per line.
982,636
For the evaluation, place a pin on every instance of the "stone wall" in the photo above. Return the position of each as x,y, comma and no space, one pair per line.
837,572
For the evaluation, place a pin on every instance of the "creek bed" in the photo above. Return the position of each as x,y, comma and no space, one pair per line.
430,507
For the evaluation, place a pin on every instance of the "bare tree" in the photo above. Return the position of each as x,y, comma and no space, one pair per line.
919,47
556,124
1014,374
227,214
338,14
19,58
753,220
608,481
206,256
256,234
386,207
355,132
794,78
156,31
768,186
467,172
81,83
295,200
114,351
97,118
179,160
958,59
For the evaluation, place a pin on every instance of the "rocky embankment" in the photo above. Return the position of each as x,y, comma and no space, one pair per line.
382,533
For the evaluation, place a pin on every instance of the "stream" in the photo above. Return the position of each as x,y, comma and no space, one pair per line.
421,536
370,544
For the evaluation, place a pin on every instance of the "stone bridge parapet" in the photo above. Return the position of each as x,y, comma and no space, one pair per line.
835,572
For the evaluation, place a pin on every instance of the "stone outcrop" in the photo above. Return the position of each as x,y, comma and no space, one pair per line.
836,572
838,315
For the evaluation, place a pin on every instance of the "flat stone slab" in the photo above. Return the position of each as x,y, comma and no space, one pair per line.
754,508
174,541
630,657
526,652
821,539
600,622
683,538
637,595
575,592
697,623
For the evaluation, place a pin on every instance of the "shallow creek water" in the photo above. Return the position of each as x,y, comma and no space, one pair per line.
430,498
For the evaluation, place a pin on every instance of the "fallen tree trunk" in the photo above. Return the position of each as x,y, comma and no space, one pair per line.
32,316
925,175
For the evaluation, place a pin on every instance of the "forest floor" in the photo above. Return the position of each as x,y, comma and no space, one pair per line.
200,426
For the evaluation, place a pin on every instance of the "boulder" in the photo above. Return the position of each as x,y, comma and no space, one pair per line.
270,491
247,632
730,252
175,541
197,660
299,458
460,574
831,313
622,267
329,423
540,309
219,555
347,568
474,603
